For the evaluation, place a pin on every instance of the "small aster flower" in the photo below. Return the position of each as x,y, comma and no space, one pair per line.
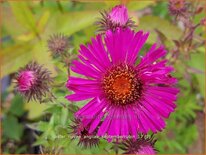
143,145
177,7
116,18
33,81
58,44
86,139
126,97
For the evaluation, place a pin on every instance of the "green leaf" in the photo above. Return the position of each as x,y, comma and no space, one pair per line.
24,15
71,22
190,134
43,20
111,4
62,131
150,23
138,5
64,116
198,62
131,5
41,24
21,54
21,149
40,141
17,106
186,107
163,6
43,126
15,55
175,146
11,128
8,25
35,109
54,109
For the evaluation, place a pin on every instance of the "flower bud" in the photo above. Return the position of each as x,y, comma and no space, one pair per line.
116,18
86,139
58,44
33,81
177,7
26,80
143,145
119,15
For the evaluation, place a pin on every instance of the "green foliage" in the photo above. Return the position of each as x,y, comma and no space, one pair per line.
24,15
164,10
17,106
31,46
133,5
150,23
198,62
12,129
34,22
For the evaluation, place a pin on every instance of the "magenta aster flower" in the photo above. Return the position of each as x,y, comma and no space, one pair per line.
126,97
33,81
116,18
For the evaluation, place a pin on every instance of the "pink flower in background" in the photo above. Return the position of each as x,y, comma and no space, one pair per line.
177,7
33,81
126,97
116,18
119,15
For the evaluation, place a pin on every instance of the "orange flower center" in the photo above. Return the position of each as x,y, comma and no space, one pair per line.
121,85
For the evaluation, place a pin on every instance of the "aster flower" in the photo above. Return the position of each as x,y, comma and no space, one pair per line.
58,44
125,97
33,81
86,139
116,18
177,7
143,145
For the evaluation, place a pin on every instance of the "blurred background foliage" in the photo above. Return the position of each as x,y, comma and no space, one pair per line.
43,128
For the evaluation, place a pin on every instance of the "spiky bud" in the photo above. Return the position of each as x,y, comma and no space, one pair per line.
116,18
177,7
58,44
33,81
119,15
143,145
86,139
